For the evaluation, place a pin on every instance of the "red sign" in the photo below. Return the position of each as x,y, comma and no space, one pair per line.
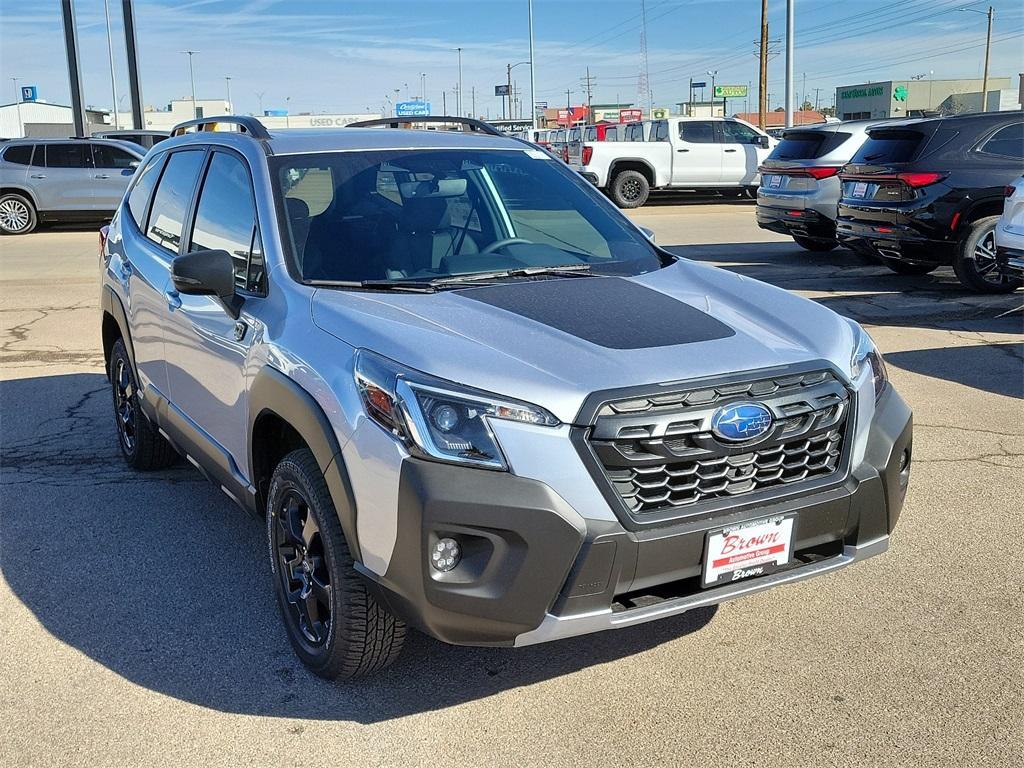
573,116
630,115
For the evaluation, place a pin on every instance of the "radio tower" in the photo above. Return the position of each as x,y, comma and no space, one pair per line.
643,86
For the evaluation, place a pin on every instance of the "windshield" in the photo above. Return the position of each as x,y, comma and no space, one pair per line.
420,215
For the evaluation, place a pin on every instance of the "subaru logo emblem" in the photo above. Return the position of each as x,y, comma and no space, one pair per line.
741,421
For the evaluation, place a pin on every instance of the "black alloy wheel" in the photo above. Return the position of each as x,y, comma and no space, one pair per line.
141,443
126,407
975,263
302,567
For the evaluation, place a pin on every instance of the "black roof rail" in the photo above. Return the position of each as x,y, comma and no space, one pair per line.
473,126
246,124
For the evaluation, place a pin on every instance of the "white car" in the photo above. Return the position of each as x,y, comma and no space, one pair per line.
680,153
1009,232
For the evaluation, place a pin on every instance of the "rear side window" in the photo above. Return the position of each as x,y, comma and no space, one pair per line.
226,217
143,188
106,156
611,134
20,154
172,198
697,132
884,147
660,131
591,134
68,155
1006,142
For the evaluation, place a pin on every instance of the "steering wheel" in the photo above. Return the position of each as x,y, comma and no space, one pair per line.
502,243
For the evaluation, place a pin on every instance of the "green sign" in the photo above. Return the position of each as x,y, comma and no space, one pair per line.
861,93
900,94
730,91
660,113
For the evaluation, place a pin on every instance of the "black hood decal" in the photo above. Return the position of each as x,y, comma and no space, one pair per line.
608,311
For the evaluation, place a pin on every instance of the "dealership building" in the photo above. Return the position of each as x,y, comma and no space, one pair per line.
914,98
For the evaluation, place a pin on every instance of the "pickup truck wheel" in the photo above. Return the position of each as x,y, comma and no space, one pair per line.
975,261
815,244
17,214
142,446
336,627
629,189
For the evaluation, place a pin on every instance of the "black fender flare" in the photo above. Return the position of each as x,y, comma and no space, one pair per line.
272,392
111,305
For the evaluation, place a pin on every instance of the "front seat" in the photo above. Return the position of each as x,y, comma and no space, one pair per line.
426,236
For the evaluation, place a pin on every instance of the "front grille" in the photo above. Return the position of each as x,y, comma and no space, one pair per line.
658,451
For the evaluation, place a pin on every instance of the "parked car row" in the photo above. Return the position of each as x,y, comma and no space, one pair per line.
915,194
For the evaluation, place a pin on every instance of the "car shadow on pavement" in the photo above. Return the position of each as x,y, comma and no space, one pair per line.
872,293
161,579
996,368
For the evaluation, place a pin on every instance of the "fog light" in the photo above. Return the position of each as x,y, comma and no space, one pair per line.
904,460
445,554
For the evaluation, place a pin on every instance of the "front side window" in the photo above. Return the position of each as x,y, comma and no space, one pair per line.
697,131
398,215
70,155
1006,142
226,214
172,198
106,156
738,133
19,154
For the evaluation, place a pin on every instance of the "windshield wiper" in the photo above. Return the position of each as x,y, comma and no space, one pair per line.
564,270
412,286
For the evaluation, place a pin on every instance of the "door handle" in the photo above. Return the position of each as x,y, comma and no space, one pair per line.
102,176
124,268
730,150
38,176
682,150
173,300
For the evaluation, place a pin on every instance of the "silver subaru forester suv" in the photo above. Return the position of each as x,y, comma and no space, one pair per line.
466,394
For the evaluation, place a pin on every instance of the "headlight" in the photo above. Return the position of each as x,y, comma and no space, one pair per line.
438,419
865,353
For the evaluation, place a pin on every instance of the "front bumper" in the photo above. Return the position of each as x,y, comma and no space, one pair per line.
802,222
533,570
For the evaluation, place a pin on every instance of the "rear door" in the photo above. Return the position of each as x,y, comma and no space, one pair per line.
741,152
66,181
14,170
206,347
113,168
697,155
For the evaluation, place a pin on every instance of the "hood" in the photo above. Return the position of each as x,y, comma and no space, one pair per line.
552,342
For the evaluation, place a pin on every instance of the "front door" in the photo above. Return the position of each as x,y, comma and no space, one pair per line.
741,153
207,349
697,155
113,168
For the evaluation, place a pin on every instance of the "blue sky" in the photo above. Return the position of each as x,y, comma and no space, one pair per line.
334,56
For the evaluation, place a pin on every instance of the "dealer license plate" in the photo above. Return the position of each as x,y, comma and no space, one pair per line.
748,549
775,181
860,189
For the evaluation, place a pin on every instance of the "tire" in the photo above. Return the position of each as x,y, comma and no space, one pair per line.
629,189
815,244
142,446
17,214
906,268
314,575
975,261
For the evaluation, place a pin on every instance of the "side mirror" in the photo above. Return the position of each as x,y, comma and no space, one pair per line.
648,233
764,142
134,164
207,273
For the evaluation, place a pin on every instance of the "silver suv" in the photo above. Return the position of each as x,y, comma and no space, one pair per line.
62,180
800,187
466,394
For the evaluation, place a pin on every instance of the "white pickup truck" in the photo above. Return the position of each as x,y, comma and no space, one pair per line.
681,153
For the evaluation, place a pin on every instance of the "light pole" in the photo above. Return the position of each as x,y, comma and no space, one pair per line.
192,79
259,99
458,95
533,80
110,57
17,100
287,112
423,86
508,69
713,74
789,62
227,82
988,50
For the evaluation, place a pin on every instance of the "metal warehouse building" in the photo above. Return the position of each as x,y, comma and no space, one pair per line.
910,98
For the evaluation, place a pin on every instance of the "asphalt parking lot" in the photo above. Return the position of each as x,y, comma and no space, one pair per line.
137,625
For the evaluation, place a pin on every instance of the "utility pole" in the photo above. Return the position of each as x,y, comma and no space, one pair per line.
988,51
17,101
789,62
689,104
110,56
259,98
192,79
816,90
803,93
762,84
472,99
444,102
508,73
227,82
458,95
533,79
588,84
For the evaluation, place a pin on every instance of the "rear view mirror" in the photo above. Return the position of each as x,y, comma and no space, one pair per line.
207,273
